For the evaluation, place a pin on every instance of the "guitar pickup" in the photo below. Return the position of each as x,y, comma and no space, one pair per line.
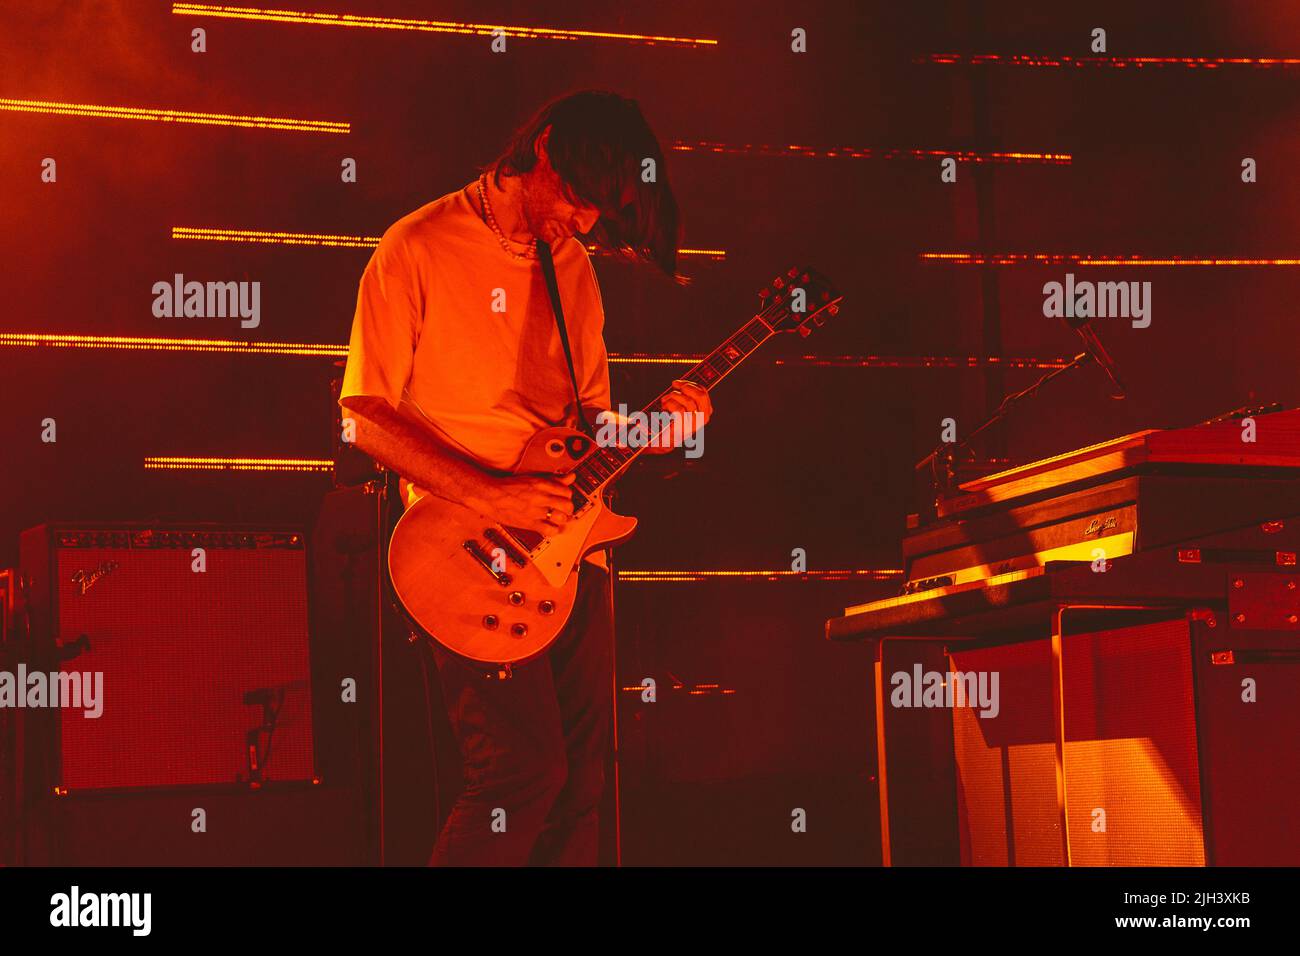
499,540
483,558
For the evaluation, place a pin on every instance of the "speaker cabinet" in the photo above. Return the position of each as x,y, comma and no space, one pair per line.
181,655
1168,761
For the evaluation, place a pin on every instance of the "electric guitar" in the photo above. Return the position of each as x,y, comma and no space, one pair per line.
501,595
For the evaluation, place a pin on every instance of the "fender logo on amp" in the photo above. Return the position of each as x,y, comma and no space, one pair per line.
85,580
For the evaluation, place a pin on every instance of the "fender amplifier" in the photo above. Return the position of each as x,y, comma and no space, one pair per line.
165,656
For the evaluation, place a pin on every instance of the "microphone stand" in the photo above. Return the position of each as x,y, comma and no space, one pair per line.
272,701
942,462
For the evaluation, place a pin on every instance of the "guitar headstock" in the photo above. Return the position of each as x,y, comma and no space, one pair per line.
797,300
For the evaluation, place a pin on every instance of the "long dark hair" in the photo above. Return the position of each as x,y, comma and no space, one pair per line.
598,144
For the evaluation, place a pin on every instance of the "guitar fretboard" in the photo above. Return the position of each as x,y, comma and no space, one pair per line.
603,464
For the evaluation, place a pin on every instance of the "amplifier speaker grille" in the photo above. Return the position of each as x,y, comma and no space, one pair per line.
178,650
1130,753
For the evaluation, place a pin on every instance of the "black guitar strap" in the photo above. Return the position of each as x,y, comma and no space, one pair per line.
553,288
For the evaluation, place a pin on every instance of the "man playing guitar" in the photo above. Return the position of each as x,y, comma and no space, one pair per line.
455,362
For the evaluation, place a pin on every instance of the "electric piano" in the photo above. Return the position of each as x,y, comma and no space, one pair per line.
1010,544
1138,603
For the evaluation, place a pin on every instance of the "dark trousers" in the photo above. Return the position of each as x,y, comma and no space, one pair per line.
534,746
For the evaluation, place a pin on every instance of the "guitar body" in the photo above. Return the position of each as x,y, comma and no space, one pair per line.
485,604
501,595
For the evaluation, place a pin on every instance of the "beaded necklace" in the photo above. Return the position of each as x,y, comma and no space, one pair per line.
492,223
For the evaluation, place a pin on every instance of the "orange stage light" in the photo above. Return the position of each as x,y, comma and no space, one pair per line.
922,361
162,463
328,350
1083,259
678,577
855,152
425,26
276,238
699,690
157,344
357,242
1119,62
657,358
172,116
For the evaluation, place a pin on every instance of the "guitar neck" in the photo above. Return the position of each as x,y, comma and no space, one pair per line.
603,465
718,364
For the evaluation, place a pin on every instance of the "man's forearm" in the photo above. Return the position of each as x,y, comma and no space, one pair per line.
408,449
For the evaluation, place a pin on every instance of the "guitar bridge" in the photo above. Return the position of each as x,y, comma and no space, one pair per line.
483,558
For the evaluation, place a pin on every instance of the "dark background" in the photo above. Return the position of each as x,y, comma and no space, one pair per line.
800,455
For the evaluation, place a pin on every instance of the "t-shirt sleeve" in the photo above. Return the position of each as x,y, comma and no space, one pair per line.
594,388
386,325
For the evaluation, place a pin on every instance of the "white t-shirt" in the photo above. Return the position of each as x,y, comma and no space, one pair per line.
453,330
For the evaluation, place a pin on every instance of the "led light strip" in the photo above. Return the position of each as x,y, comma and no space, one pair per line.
424,26
158,344
160,463
172,116
357,242
695,690
687,252
871,574
277,238
854,152
327,350
1083,259
923,361
1118,62
860,361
